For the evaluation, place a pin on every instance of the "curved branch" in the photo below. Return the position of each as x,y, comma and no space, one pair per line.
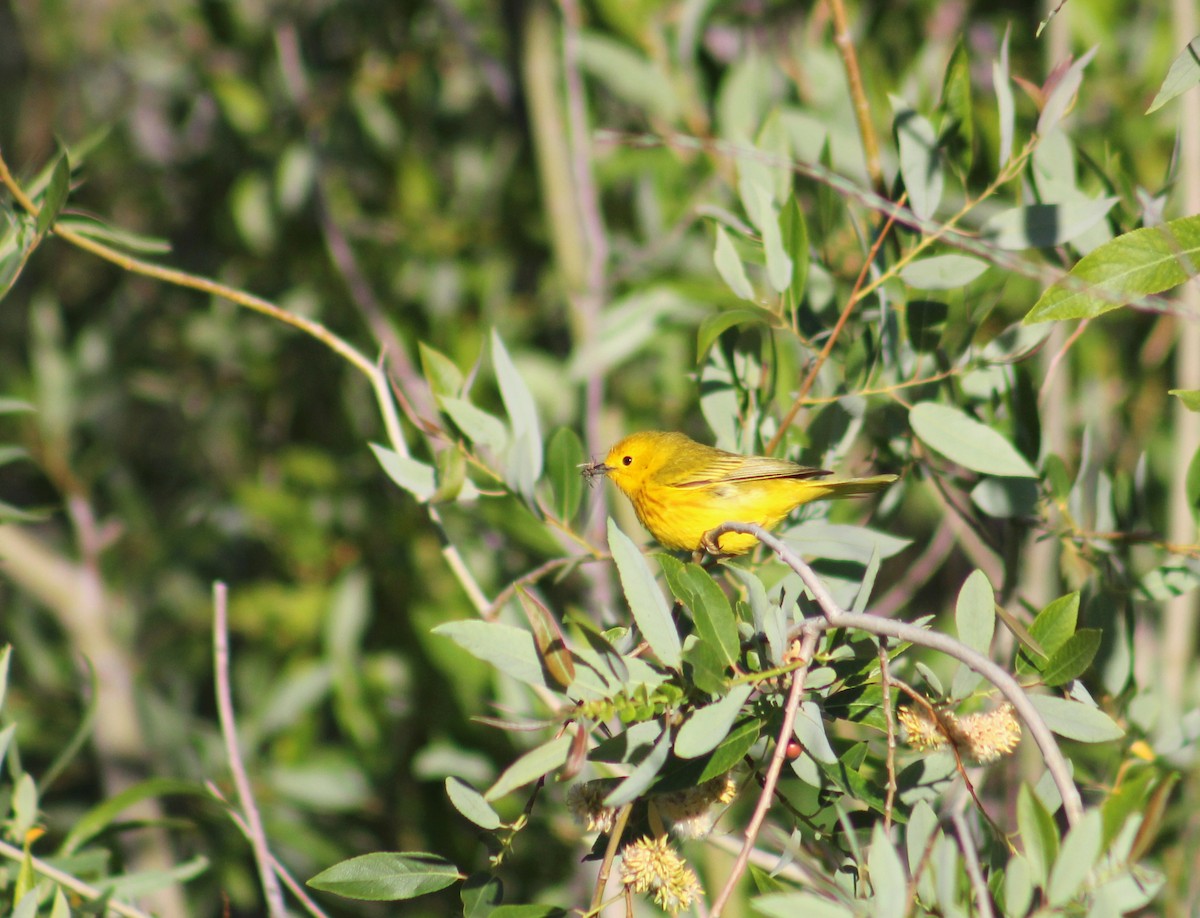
836,617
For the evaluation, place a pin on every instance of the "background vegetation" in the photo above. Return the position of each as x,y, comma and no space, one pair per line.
553,225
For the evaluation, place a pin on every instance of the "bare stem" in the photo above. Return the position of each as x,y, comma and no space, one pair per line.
258,837
858,96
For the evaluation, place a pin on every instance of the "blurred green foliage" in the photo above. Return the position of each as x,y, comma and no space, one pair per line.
408,177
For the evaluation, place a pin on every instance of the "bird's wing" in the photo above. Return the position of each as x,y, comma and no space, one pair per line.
728,467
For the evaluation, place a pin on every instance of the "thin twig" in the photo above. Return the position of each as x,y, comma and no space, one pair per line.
807,649
836,617
289,881
77,886
258,837
885,682
610,855
966,844
858,97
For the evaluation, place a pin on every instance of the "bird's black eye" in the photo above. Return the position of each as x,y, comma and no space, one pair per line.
627,460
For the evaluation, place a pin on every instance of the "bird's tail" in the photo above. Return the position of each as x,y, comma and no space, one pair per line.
855,487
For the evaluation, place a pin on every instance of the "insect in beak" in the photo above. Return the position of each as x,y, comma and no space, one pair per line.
593,470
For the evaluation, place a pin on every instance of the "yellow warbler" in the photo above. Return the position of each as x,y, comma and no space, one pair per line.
682,490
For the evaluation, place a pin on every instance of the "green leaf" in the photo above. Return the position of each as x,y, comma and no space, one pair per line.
920,159
564,455
975,618
795,904
1005,108
15,406
809,729
414,477
1183,74
1135,264
715,624
509,649
470,803
956,102
942,272
5,657
477,425
1189,397
534,764
1076,720
629,75
1039,834
708,726
646,601
1073,658
1079,853
732,749
712,327
762,213
104,815
525,457
1191,485
549,639
1018,885
643,775
962,439
730,266
114,236
843,542
795,238
1039,226
1006,498
528,911
442,374
385,876
922,823
1052,628
480,895
889,885
56,194
1062,97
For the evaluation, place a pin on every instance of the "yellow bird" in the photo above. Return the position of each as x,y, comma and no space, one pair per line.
681,490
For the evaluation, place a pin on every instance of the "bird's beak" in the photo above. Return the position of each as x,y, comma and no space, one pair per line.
592,470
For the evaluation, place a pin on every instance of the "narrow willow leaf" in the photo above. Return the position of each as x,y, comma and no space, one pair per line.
889,885
942,272
549,639
795,237
920,159
1076,720
646,601
1136,264
1039,834
56,194
730,266
712,327
1078,855
564,454
1006,110
922,823
509,649
779,265
414,477
470,803
629,75
809,728
14,406
1189,397
1182,76
708,727
532,765
442,374
715,624
1039,226
1062,97
1018,885
794,904
480,895
956,101
975,618
643,776
962,439
477,425
522,417
1054,625
1073,658
384,876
